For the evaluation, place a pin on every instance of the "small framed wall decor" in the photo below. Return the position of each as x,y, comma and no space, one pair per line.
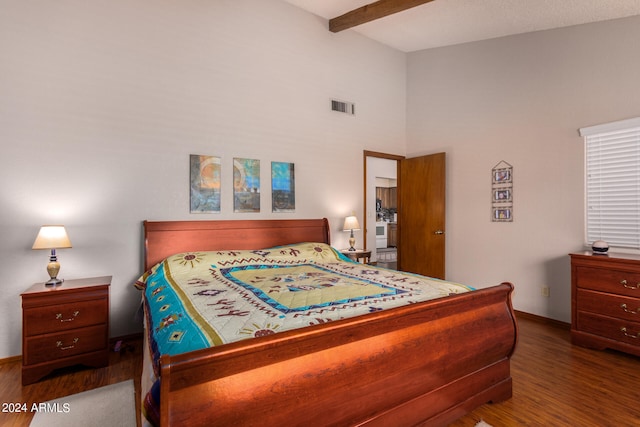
283,187
246,185
502,192
204,182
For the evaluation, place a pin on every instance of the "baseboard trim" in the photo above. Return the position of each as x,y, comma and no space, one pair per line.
11,359
542,319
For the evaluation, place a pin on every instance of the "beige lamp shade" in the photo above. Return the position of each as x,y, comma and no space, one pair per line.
52,237
351,223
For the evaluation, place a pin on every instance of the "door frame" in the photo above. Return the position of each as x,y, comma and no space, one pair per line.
376,154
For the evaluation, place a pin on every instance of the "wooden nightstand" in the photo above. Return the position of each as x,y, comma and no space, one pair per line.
64,326
358,254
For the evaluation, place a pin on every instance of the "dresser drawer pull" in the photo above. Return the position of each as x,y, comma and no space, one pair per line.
626,334
71,319
626,310
61,347
626,284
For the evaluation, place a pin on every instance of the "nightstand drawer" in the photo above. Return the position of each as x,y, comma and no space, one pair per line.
59,345
609,305
42,320
609,327
609,280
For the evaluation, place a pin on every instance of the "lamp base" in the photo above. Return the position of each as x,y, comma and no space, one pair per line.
53,268
54,281
352,242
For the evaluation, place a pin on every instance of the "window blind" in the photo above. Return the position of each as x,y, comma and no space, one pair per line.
612,183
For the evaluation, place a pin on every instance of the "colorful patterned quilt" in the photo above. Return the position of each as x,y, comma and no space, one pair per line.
201,299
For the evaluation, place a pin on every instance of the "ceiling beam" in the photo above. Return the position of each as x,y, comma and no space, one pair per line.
371,12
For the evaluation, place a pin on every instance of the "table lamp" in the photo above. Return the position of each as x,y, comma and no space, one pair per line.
52,237
351,223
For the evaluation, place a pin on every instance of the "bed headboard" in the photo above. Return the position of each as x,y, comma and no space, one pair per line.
165,238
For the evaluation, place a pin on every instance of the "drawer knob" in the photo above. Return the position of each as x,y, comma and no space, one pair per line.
70,319
628,286
626,309
627,334
68,347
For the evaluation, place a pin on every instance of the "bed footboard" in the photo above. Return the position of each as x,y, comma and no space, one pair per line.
427,363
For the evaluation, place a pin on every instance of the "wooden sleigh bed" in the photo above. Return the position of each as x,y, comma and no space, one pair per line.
426,363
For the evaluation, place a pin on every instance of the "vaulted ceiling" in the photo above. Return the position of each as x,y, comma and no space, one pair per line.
433,23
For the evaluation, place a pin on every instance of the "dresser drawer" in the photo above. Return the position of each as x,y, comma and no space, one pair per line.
609,305
53,318
55,346
609,280
609,327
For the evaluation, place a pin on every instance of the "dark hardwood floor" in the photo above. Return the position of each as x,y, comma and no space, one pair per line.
558,384
554,383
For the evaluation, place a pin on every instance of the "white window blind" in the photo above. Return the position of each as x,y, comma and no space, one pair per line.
612,182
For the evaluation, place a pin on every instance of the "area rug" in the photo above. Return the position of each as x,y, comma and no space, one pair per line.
108,406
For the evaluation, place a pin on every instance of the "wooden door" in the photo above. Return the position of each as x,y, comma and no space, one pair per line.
421,215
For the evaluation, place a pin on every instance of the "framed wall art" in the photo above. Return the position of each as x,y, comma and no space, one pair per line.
204,176
502,192
246,185
283,187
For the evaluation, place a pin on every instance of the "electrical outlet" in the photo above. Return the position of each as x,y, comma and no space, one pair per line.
545,291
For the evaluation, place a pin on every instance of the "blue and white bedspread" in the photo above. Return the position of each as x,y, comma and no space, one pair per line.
201,299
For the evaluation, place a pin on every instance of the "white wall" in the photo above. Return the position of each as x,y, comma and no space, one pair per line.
520,99
102,102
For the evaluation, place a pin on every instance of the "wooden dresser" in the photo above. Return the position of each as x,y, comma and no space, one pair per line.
605,301
64,326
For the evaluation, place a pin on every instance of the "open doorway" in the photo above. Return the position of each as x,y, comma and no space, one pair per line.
381,208
421,211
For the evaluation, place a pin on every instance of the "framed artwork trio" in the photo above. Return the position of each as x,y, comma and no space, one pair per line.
205,181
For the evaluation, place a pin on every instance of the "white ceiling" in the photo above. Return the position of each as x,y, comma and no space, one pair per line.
448,22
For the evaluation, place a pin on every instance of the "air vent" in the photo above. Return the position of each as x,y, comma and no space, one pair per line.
343,107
